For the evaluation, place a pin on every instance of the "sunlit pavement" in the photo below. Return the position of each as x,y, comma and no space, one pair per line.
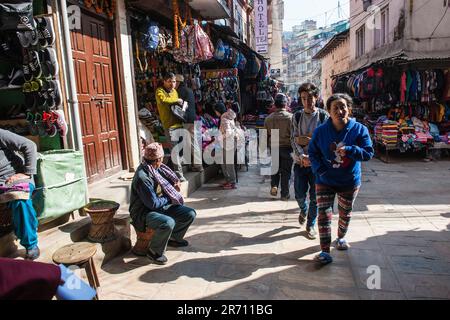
246,244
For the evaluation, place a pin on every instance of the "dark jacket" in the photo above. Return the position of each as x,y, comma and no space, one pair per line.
146,196
187,94
11,162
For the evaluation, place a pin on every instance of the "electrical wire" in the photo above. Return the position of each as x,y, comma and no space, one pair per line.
440,21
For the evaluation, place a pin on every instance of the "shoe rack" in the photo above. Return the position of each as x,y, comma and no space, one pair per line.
10,97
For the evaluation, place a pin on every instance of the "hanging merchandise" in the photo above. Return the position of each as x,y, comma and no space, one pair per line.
195,46
253,67
150,35
219,85
219,53
242,62
204,47
17,16
165,43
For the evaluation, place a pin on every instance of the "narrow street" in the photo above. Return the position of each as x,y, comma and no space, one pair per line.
247,245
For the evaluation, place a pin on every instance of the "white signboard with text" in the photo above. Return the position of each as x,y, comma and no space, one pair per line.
261,27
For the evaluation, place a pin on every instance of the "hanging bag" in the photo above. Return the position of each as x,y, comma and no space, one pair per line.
219,53
17,15
204,47
150,36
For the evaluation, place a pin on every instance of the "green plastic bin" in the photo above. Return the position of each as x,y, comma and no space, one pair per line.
60,184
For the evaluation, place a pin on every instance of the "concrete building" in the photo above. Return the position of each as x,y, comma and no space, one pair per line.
305,42
335,59
413,30
241,20
275,35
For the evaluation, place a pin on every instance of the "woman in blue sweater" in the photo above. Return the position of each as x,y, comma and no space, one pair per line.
336,151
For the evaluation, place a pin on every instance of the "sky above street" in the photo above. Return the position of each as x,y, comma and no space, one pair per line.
323,11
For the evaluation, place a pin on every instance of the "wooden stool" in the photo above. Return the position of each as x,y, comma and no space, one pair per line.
80,255
143,239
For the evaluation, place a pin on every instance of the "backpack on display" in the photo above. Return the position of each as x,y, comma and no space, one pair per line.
227,51
219,53
235,60
17,15
150,36
252,67
242,62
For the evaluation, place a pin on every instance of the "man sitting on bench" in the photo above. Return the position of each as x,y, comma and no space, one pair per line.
156,203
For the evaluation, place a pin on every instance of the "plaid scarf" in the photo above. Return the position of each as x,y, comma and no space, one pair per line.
167,186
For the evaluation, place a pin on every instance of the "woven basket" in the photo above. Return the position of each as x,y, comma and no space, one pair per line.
143,240
102,213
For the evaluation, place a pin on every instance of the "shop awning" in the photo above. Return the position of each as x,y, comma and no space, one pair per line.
211,9
397,53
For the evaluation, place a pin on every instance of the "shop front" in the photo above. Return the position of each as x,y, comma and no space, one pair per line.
33,104
404,102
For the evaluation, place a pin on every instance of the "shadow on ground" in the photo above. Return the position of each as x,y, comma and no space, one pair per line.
413,264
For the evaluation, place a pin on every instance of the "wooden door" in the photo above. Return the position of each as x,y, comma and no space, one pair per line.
91,48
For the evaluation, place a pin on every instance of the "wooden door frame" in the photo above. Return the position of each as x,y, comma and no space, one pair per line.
118,88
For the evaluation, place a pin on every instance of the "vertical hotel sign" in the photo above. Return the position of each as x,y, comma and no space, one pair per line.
261,28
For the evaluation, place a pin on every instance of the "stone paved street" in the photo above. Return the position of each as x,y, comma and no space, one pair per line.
247,245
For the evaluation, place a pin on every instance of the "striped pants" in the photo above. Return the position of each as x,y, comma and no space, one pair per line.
325,200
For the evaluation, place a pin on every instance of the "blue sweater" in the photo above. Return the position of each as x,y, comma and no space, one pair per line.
331,169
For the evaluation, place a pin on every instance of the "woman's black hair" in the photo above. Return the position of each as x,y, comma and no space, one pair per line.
220,107
168,75
339,96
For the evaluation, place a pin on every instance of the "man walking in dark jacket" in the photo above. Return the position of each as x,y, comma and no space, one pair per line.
281,120
17,167
187,95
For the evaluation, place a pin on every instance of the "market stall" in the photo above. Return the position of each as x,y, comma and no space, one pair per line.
406,107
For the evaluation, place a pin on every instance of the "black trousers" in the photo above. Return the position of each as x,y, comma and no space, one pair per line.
284,172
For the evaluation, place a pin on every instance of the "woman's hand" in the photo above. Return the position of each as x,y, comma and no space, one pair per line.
17,177
342,152
177,186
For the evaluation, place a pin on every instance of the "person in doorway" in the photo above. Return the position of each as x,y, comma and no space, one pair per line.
185,93
281,120
166,96
336,151
304,123
156,203
17,167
